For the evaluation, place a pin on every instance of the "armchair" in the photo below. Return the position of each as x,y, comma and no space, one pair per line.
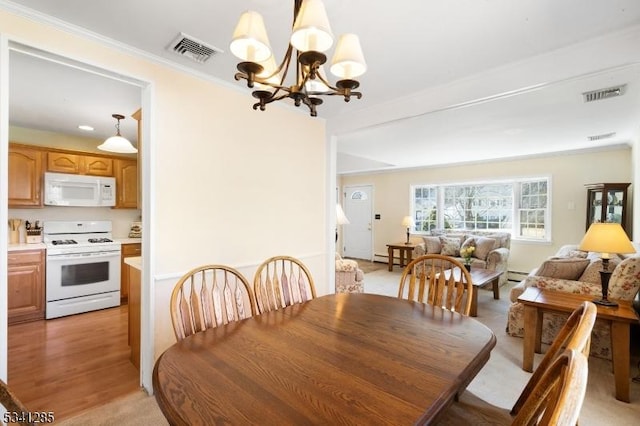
349,278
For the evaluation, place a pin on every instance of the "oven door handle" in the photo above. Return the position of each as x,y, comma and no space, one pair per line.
84,255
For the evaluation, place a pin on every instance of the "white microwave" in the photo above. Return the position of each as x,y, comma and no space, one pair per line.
62,189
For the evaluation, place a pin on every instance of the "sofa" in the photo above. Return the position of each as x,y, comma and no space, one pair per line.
574,271
349,278
491,248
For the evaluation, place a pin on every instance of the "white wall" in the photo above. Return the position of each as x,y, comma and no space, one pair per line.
223,183
569,173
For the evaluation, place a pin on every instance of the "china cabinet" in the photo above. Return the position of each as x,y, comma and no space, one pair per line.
607,202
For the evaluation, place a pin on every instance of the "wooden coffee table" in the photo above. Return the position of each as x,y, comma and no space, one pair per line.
481,277
536,301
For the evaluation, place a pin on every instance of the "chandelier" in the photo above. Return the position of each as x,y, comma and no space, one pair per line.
310,38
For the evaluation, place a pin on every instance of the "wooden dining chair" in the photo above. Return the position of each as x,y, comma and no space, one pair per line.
575,335
209,296
282,281
12,405
437,280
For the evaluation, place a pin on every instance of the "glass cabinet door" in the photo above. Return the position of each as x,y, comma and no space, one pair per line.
606,202
595,206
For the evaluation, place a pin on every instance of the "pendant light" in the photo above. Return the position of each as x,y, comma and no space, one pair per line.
117,143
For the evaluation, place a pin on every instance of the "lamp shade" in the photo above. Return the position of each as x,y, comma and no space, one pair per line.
250,41
348,60
341,218
407,221
312,31
118,144
606,238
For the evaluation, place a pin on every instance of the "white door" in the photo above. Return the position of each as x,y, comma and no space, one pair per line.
358,234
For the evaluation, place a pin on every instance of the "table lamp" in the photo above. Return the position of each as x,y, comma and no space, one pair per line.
408,222
341,219
608,239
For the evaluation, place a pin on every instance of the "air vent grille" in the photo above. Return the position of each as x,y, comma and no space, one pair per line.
600,137
192,48
600,94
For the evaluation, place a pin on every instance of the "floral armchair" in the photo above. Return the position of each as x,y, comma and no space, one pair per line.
349,278
623,285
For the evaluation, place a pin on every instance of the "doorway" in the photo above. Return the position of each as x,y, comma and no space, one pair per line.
81,94
358,235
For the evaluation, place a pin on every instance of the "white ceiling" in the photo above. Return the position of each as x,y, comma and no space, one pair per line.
447,80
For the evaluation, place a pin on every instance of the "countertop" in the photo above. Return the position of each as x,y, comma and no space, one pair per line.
25,246
129,240
134,262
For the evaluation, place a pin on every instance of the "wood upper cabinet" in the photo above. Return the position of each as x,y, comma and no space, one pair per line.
80,164
607,202
25,286
126,172
25,177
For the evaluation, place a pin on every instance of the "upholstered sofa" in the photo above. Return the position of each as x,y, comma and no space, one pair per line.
491,248
349,278
573,271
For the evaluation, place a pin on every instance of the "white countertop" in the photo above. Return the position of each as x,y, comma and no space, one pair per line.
25,246
134,262
129,240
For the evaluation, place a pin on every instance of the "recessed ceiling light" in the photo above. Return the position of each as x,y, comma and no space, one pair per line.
85,127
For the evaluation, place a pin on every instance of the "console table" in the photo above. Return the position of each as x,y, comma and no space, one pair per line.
536,301
405,252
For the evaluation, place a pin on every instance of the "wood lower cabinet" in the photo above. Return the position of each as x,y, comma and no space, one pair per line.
25,177
128,250
25,283
80,164
126,172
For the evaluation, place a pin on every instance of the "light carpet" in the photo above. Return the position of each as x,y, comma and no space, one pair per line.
499,382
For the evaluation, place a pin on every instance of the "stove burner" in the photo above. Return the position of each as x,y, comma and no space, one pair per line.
63,242
100,240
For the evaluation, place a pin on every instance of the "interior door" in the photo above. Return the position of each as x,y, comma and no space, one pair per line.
358,234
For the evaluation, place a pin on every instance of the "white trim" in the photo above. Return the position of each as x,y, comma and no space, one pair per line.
4,201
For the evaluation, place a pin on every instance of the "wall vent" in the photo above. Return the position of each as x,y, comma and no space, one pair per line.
192,48
600,137
609,92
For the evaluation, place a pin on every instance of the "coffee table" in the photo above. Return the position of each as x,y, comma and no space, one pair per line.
536,301
480,278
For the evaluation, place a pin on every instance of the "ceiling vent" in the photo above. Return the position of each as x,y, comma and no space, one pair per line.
600,137
610,92
192,48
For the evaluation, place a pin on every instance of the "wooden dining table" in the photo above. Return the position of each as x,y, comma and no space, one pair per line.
336,359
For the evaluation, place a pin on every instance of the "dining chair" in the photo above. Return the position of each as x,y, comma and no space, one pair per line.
13,406
575,335
282,281
437,280
209,296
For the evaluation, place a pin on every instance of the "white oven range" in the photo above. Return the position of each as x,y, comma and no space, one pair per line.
82,267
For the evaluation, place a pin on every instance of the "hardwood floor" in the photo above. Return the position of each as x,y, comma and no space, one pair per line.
70,364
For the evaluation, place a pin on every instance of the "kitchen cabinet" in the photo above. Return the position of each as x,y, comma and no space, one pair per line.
25,177
607,202
25,286
135,291
128,250
79,164
126,172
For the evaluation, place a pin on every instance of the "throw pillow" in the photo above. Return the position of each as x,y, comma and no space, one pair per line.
484,246
566,268
592,273
450,246
432,245
578,253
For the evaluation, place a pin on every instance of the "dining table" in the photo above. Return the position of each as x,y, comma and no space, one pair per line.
350,358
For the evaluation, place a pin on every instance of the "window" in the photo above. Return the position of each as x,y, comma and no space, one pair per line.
518,206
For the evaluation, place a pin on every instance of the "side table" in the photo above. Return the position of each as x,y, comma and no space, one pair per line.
536,301
405,252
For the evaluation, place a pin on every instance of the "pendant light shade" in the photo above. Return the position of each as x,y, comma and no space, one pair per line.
250,41
311,30
117,143
348,60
